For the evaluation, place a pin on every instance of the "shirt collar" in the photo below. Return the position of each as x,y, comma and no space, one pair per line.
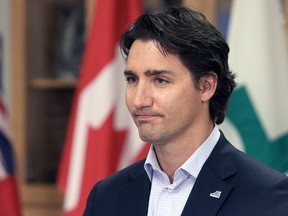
194,163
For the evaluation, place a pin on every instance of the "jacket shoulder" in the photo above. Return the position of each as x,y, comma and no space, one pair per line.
241,164
120,178
104,196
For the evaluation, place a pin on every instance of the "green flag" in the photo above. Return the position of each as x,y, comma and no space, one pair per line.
257,119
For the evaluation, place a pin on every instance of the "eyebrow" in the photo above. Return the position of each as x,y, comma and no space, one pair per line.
128,72
150,72
157,72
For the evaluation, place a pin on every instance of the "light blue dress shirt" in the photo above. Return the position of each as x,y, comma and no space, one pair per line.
168,199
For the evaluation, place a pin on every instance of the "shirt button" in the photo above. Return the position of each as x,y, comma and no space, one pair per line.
170,190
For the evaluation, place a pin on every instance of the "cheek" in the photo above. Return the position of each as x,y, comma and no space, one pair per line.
184,101
128,99
173,103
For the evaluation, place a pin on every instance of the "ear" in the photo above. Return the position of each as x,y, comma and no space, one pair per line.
208,84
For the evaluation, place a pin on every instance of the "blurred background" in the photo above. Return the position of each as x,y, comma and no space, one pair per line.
41,49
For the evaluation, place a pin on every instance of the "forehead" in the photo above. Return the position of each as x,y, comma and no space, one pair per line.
149,48
145,55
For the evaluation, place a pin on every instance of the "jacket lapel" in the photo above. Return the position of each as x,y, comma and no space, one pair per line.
207,196
134,196
211,190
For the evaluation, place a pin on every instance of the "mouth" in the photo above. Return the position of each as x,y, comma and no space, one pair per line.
143,117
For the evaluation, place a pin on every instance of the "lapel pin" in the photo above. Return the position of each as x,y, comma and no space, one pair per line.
216,194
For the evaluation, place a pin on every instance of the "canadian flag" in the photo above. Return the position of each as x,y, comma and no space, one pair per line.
101,137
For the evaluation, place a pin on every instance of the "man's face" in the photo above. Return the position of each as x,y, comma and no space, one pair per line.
160,95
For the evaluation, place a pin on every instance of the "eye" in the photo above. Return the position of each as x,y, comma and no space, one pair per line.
160,81
130,79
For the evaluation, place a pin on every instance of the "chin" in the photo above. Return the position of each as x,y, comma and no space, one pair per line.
152,140
146,138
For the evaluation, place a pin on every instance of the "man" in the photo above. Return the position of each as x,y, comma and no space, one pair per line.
178,86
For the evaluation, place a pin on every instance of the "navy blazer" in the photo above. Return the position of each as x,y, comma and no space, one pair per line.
248,188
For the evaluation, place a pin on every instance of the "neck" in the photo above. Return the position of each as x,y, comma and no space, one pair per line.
172,155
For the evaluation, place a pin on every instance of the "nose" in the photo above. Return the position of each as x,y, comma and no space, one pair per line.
142,96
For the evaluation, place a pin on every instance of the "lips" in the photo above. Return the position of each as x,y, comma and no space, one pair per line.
145,115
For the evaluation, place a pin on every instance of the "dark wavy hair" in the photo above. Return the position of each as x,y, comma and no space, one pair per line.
199,45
